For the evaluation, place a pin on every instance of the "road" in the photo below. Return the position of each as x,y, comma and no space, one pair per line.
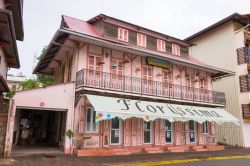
235,162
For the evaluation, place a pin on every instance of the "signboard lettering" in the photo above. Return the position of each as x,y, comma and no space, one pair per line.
158,63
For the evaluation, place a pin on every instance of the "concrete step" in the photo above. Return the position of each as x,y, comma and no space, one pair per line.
215,147
155,151
201,150
186,148
152,149
197,147
177,151
122,153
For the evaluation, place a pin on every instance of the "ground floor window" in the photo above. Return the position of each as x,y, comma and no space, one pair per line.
116,131
91,125
168,132
192,138
147,132
206,127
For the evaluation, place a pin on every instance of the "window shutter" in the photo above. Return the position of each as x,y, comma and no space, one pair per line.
241,55
81,119
244,83
246,111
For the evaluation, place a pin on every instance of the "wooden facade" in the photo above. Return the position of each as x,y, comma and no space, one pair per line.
108,70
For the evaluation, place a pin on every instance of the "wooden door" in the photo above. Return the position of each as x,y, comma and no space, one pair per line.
117,78
147,79
94,72
167,83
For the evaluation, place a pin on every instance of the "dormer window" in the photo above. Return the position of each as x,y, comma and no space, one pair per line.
161,45
123,34
176,49
141,40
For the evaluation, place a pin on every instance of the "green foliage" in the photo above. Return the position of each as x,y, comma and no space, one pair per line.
29,84
41,80
10,94
70,133
44,79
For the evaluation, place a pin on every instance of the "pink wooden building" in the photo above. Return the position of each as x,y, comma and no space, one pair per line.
122,89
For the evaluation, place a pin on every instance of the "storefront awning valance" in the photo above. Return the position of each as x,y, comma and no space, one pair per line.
110,107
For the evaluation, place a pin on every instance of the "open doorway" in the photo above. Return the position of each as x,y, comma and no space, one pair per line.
39,128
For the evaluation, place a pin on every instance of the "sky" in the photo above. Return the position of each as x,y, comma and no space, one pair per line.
177,18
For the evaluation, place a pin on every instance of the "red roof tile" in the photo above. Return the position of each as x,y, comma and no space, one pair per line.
81,26
86,28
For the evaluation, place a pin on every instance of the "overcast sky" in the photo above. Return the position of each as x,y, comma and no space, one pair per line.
177,18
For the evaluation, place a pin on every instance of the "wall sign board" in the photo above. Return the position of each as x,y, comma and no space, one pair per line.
158,63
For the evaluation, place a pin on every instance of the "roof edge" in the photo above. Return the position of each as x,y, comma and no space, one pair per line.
215,25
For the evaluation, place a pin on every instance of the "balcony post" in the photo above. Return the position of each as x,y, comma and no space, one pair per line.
124,83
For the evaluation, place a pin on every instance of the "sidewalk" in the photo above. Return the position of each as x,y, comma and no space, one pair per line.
68,160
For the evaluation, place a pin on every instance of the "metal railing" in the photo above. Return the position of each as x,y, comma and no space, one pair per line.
114,82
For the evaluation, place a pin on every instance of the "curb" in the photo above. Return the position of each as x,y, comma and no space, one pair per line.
170,162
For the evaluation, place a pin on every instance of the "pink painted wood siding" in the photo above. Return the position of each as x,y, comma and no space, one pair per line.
133,65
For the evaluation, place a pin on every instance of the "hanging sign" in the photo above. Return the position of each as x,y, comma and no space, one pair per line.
158,63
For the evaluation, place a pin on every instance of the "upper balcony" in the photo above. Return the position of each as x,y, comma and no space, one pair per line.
243,55
136,86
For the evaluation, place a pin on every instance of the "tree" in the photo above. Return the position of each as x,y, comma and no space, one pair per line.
29,84
41,80
44,79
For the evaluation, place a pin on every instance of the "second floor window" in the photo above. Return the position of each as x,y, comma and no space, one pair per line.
95,63
141,40
161,45
176,49
123,34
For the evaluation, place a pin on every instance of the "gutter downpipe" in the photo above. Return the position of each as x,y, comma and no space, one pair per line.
8,142
242,28
73,105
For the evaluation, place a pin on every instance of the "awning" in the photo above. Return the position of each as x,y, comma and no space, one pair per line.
110,107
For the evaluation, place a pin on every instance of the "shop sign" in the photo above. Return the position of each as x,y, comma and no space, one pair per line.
158,63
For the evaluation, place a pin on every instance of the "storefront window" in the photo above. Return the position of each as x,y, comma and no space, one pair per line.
116,131
206,127
91,125
168,132
192,131
147,132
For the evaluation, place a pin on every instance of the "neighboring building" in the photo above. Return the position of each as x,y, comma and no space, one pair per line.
225,44
121,89
14,81
11,29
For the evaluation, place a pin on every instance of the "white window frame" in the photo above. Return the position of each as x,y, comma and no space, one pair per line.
120,133
151,132
206,127
176,49
172,132
122,35
141,40
91,121
161,45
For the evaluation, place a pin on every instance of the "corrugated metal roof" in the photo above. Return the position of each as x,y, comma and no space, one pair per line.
80,26
85,28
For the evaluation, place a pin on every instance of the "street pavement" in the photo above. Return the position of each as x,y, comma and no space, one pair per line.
229,156
234,162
